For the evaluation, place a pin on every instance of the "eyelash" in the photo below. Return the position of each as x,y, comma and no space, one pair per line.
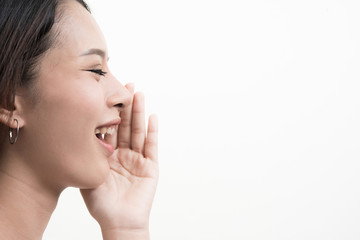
98,71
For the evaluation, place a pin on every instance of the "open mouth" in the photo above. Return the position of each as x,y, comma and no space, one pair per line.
103,132
106,135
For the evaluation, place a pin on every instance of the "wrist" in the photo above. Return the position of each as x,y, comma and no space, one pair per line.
125,234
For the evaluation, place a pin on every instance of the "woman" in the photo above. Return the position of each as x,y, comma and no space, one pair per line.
66,121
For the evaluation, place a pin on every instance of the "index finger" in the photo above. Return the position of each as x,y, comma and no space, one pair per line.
124,132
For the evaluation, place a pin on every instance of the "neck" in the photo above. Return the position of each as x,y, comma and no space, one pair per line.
25,204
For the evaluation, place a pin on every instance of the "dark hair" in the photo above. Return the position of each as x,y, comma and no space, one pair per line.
25,35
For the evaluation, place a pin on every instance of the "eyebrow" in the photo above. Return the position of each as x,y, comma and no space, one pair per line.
94,51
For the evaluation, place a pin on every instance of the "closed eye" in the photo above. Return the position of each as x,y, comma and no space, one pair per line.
97,71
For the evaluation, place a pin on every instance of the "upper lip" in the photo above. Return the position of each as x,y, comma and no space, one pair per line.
111,123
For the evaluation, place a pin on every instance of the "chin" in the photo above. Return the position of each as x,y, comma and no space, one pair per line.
92,178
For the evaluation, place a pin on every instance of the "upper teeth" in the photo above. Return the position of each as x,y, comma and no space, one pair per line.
104,130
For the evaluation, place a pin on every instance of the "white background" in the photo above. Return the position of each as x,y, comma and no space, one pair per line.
259,111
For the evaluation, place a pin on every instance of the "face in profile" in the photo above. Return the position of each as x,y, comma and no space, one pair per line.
75,103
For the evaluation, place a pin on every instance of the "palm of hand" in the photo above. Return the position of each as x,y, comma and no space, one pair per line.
124,200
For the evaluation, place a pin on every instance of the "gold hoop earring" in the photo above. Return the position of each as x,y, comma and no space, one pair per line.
12,139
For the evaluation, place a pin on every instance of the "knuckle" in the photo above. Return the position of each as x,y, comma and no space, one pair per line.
138,130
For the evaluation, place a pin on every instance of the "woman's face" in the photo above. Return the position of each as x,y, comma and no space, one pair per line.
58,136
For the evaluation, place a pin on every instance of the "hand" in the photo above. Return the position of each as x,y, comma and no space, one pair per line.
124,200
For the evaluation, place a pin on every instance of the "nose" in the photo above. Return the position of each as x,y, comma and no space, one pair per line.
119,97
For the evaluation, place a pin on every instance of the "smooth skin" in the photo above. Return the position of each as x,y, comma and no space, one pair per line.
57,147
123,202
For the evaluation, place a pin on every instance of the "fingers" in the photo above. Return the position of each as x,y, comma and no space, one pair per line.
151,144
130,87
132,130
138,130
124,134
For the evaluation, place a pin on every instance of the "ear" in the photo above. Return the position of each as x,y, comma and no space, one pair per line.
7,117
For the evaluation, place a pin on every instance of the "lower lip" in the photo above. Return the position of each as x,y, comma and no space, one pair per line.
107,146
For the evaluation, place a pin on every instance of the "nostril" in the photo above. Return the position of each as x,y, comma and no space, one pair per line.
119,105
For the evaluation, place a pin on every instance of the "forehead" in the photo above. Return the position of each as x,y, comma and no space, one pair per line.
77,30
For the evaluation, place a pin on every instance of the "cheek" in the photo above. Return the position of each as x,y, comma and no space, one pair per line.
63,124
75,114
76,108
84,101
